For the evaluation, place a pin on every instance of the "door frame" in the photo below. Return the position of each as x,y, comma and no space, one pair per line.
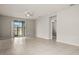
12,34
52,19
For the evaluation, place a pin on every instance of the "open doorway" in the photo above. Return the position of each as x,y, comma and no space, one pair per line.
53,33
18,29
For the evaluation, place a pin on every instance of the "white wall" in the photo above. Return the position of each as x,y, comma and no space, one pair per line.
31,28
0,27
5,26
68,25
42,26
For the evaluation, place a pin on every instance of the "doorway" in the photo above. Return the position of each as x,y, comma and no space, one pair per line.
53,33
54,30
18,28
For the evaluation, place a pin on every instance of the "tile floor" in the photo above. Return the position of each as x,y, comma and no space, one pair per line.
35,46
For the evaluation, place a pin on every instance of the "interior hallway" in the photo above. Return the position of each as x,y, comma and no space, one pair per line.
35,46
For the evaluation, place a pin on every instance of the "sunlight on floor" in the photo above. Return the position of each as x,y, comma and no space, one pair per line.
19,40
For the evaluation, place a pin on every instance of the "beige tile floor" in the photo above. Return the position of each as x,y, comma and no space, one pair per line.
35,46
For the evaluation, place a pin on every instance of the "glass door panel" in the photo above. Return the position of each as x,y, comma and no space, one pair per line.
19,28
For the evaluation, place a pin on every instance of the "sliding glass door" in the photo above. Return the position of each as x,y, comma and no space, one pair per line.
19,28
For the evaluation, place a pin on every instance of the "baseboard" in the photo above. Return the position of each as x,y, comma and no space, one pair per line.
42,38
74,44
3,37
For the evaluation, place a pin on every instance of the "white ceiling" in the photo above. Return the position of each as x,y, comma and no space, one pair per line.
18,10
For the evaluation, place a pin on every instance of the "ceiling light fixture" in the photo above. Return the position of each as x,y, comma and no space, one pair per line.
28,14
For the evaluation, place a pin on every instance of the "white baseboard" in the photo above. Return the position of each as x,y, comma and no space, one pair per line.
75,44
42,38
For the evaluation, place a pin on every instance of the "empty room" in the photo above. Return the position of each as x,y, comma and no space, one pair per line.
39,29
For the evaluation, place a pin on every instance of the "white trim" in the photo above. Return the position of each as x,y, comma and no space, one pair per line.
12,29
52,19
74,44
